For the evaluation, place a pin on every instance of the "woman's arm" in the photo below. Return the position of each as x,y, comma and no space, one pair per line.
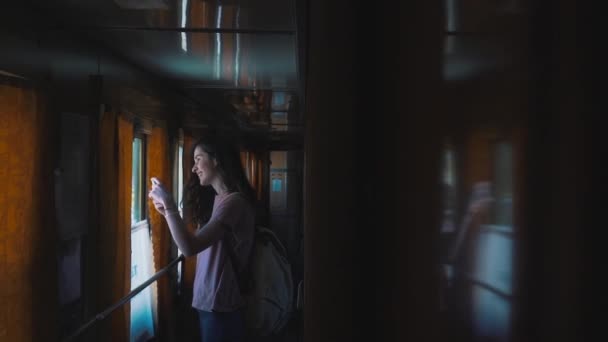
193,243
188,242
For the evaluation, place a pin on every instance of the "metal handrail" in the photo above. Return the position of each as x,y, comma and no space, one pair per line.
101,316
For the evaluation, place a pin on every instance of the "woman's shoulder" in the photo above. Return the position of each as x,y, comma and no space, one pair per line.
236,198
237,202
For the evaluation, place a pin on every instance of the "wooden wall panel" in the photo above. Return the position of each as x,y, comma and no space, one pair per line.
28,293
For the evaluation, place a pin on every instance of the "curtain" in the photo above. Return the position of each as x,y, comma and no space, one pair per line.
477,158
244,74
190,263
158,165
201,15
28,291
257,168
114,234
228,48
255,165
188,323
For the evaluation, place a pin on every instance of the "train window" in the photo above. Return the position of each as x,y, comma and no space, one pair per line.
279,109
180,176
279,101
276,185
278,180
142,323
279,121
142,327
137,190
178,170
178,189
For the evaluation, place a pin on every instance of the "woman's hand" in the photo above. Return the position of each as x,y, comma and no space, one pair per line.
161,198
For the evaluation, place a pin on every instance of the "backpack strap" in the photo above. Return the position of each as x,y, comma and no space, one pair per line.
270,236
244,278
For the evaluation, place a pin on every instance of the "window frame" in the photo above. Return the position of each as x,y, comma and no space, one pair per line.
143,169
143,223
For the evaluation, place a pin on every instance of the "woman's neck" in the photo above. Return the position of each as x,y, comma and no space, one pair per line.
219,187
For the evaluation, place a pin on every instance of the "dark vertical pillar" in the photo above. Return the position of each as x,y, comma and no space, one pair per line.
90,253
405,188
329,176
559,293
372,151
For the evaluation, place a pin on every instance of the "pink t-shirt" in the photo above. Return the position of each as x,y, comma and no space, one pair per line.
215,284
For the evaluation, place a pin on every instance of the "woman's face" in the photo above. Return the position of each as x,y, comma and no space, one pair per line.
204,166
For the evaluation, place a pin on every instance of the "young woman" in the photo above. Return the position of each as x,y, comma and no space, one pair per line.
220,200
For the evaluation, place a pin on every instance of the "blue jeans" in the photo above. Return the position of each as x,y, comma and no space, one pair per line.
222,326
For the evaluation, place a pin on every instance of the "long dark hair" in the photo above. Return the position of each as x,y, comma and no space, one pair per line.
198,199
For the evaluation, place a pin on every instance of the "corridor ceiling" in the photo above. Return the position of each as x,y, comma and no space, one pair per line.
241,58
213,51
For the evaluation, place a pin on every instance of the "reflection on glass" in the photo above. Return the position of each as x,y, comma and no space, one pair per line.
237,53
180,176
180,195
142,326
494,259
278,181
279,121
491,313
280,107
218,44
276,185
136,182
450,15
141,269
478,245
183,24
278,100
503,175
449,191
493,264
